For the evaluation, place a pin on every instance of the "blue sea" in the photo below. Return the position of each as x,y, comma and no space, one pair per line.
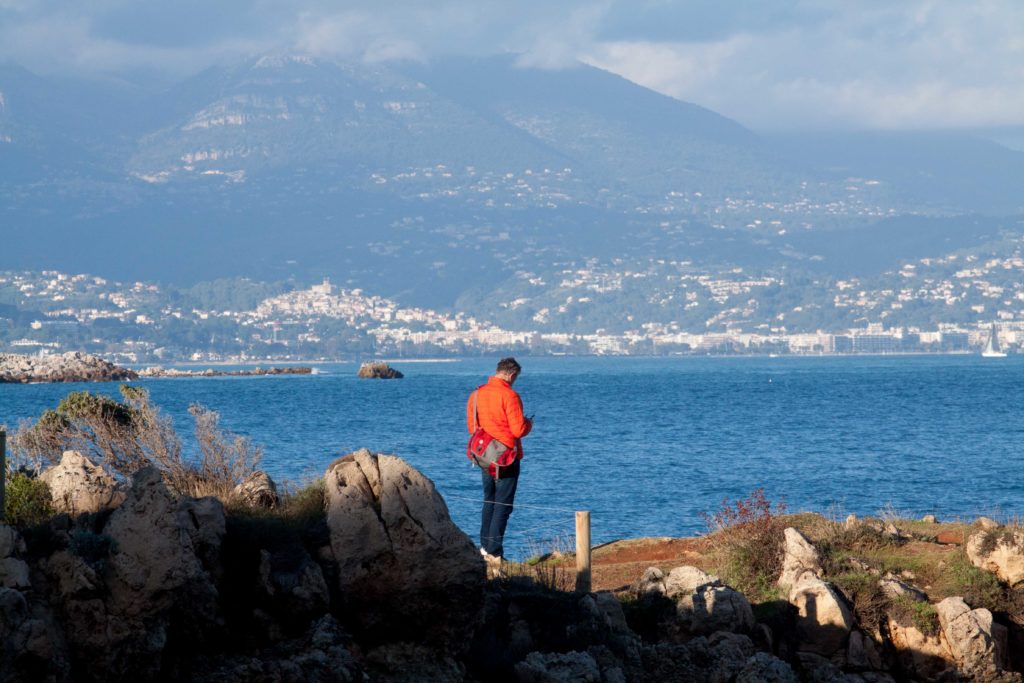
646,444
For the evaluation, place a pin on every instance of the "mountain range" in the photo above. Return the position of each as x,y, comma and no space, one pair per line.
437,183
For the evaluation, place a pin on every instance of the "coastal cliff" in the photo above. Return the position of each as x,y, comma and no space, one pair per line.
363,576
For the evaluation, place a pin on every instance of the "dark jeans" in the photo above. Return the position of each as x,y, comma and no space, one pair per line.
498,497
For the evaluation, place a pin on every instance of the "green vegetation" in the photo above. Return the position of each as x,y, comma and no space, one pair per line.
27,502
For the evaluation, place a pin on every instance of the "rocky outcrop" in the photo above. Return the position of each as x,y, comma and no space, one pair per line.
1000,551
972,637
69,367
157,371
823,619
376,369
403,566
258,490
799,558
704,604
77,485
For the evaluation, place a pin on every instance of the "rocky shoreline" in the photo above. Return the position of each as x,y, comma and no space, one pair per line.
372,581
157,371
68,367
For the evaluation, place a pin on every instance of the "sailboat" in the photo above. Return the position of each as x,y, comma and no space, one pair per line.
992,347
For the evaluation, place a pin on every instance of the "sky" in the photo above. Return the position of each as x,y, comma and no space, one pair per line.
770,64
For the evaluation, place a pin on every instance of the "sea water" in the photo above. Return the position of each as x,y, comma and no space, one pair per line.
645,444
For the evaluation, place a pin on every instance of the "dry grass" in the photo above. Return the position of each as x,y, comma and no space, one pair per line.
746,544
127,435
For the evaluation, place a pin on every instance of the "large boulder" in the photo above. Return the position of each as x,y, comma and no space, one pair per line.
920,655
555,667
971,636
823,620
1000,551
77,485
13,570
799,558
703,603
258,490
155,595
404,569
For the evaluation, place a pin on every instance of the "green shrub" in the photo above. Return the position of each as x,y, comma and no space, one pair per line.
27,502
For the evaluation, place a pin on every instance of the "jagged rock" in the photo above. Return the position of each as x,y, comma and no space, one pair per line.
11,542
765,668
555,667
799,558
69,367
606,621
987,523
376,369
257,491
894,588
412,663
14,573
652,581
969,635
921,655
155,581
862,653
13,611
405,570
823,619
77,485
1004,557
682,581
703,604
72,575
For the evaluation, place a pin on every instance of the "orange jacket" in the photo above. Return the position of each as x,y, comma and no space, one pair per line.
501,413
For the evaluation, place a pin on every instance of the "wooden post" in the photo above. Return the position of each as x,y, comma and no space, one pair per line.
583,552
3,470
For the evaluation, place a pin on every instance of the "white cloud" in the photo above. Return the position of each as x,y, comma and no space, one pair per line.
874,63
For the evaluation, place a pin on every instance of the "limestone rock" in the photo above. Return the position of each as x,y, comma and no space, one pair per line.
1005,559
924,656
703,603
685,580
930,519
13,611
652,581
894,588
799,558
823,619
987,523
404,568
555,667
14,574
862,653
764,668
257,491
376,369
11,542
69,367
155,580
77,485
969,635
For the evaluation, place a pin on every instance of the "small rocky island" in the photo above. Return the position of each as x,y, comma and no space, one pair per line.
69,367
157,371
378,369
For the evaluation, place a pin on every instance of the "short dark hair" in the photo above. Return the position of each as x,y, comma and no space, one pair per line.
509,366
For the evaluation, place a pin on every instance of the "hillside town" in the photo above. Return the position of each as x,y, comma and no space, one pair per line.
53,312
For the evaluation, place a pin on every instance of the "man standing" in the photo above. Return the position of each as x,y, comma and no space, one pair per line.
499,412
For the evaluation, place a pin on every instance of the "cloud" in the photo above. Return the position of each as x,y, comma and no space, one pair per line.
874,63
904,66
